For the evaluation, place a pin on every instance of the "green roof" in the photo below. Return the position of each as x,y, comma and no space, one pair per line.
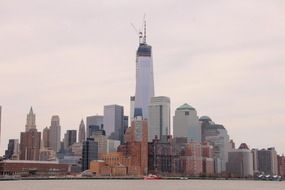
185,107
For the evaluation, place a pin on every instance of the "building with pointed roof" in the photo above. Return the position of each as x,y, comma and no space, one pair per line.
81,132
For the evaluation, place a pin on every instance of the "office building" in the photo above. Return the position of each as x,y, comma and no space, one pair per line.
12,152
240,162
30,144
114,122
81,132
55,133
159,117
93,123
69,139
144,75
267,161
218,137
89,153
46,138
30,141
186,123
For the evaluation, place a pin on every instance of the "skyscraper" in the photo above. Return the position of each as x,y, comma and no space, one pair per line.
144,75
159,117
93,124
31,120
54,133
81,132
114,122
89,153
46,143
186,123
12,151
218,137
30,141
267,161
69,138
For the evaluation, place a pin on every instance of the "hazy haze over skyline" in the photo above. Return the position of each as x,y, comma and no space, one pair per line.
71,57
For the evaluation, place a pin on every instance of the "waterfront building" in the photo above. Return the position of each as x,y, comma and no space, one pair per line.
281,165
94,123
144,75
55,133
175,157
12,152
240,162
89,153
218,137
159,117
81,132
186,123
114,122
30,168
267,161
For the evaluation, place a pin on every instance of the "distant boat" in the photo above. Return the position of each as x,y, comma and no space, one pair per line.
151,177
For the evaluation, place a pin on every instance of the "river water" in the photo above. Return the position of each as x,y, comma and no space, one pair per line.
141,185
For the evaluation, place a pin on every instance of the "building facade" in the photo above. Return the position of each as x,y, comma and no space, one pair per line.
12,152
30,144
69,139
186,123
267,161
55,133
240,162
144,76
89,153
94,123
159,117
218,137
114,122
81,132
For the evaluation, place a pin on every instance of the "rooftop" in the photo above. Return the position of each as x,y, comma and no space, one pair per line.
185,107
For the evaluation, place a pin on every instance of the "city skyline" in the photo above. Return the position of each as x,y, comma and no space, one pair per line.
232,74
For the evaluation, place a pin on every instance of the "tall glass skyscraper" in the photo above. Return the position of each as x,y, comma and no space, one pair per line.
144,75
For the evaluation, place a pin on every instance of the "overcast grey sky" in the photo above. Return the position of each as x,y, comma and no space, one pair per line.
72,57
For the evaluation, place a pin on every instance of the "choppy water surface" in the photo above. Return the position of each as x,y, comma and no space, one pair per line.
141,185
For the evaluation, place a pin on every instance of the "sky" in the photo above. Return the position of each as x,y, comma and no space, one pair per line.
72,57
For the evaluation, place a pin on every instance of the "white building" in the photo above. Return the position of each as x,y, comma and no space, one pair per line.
186,123
159,117
144,76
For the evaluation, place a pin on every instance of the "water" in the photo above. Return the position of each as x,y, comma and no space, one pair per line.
141,185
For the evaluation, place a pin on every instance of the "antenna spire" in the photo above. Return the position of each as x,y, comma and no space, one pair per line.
144,36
